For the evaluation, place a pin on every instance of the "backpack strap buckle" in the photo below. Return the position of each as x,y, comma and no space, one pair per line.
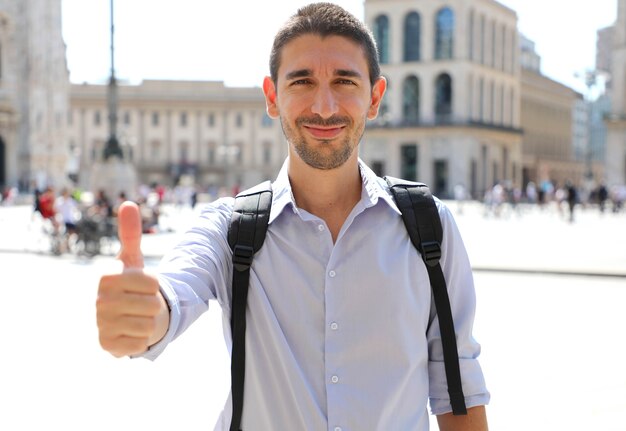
431,252
242,257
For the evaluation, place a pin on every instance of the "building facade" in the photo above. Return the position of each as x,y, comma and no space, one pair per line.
34,89
616,120
452,110
555,121
200,131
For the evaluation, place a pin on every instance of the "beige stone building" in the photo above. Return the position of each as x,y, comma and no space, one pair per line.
203,131
452,112
34,83
548,114
616,121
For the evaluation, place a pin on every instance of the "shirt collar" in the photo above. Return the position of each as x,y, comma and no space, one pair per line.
374,188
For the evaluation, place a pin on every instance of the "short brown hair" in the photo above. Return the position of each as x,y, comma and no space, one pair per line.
325,19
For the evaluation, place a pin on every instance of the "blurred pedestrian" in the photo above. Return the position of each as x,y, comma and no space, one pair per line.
603,195
69,212
571,195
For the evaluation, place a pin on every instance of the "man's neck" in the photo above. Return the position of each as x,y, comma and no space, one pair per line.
329,194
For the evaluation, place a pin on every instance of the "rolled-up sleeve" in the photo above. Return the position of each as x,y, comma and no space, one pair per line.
458,274
196,271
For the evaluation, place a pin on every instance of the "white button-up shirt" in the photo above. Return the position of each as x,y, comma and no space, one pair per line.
340,335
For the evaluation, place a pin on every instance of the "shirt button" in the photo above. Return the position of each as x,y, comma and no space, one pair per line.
332,273
334,379
337,428
334,326
320,227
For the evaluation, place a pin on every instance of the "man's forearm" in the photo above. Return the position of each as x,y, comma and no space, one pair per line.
475,420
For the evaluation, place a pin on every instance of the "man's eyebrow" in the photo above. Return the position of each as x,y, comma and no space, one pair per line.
348,73
305,73
300,73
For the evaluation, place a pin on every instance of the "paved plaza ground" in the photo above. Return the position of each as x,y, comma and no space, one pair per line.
551,319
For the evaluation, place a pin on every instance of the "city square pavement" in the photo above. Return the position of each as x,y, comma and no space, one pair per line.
550,318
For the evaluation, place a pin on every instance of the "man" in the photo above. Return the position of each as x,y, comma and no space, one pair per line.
341,333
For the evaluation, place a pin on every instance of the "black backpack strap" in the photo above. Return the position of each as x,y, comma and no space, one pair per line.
421,218
246,234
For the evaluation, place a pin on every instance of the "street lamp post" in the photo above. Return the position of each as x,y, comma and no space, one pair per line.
112,147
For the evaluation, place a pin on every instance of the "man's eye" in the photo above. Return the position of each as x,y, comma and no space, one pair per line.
300,82
346,82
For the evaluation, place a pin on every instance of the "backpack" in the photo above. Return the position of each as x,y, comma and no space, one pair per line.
246,234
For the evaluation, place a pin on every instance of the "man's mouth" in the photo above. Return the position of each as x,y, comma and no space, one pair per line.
321,132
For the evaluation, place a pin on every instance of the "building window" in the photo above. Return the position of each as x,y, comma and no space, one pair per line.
381,35
470,97
501,111
70,117
441,178
514,47
127,118
408,162
97,118
183,119
411,100
211,119
155,118
412,40
492,102
211,153
155,150
481,100
482,39
378,167
502,48
494,44
473,178
183,149
444,34
238,152
511,108
267,153
239,120
443,99
266,121
470,39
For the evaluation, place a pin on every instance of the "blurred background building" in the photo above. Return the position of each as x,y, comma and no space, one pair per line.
34,94
616,120
452,110
198,132
466,105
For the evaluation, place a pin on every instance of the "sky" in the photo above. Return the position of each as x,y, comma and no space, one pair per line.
230,40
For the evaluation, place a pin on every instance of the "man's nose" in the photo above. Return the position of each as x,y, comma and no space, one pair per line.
325,102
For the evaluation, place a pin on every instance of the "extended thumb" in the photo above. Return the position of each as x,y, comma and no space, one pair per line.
129,232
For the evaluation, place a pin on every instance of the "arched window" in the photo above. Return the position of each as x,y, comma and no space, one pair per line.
411,100
470,39
412,41
444,33
381,34
443,100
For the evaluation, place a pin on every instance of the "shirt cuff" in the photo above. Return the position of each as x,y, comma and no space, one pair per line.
472,381
156,349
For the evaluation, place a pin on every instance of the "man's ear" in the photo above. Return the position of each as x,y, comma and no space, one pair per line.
378,91
269,89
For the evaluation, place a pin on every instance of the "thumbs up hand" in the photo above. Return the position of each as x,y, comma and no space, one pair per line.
130,310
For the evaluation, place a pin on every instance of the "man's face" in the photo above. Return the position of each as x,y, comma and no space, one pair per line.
323,97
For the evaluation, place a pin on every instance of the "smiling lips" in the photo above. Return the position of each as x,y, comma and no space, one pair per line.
320,132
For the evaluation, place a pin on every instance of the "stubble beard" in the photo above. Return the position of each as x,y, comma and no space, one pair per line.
327,157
